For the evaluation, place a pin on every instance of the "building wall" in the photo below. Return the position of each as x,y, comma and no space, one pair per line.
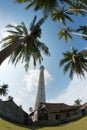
58,118
9,110
86,110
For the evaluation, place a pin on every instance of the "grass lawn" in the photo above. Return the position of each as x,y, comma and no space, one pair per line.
77,125
5,125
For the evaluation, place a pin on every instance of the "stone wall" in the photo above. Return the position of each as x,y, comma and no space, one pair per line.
9,110
62,117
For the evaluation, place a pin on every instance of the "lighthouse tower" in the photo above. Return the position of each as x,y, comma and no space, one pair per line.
40,95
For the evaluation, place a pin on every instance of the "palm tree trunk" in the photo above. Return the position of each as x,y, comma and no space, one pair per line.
8,50
73,58
80,34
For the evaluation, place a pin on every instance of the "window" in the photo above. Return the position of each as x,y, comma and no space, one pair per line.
57,116
43,116
67,114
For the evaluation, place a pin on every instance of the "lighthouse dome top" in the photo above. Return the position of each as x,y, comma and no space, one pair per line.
42,67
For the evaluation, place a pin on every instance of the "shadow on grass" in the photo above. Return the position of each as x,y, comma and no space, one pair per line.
62,124
15,123
36,127
30,127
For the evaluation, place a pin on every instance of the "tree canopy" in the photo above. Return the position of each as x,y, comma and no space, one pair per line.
4,89
78,102
22,44
74,61
62,11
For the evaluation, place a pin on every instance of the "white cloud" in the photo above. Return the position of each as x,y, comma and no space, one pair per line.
48,77
28,89
31,79
77,88
3,32
4,66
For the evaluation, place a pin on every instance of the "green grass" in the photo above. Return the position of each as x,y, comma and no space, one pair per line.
76,125
6,125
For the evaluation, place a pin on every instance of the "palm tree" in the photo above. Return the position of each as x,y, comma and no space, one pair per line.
78,102
3,89
75,6
46,5
10,98
65,33
60,10
22,45
74,61
60,15
30,109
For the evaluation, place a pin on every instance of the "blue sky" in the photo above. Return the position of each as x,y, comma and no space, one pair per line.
22,85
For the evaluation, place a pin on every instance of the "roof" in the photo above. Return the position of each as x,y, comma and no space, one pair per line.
57,107
11,102
83,106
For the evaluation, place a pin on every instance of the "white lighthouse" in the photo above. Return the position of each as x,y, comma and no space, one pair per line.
40,95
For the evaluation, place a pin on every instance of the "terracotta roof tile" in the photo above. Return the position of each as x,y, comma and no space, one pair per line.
83,106
57,107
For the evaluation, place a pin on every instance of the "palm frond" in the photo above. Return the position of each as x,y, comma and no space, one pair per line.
74,61
24,28
66,67
72,70
21,1
22,45
65,33
33,22
4,89
29,5
83,52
